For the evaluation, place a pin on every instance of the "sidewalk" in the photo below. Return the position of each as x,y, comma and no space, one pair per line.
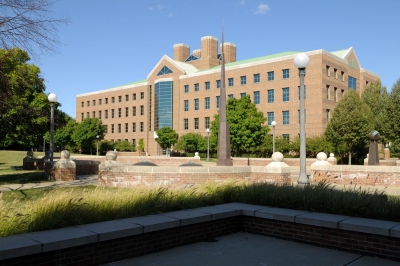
249,249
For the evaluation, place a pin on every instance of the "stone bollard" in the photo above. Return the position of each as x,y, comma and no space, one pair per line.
332,159
321,159
28,163
62,170
366,159
110,170
387,153
277,170
196,155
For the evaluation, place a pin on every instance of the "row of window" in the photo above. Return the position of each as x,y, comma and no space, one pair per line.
243,81
335,93
118,128
286,116
196,123
352,82
100,101
113,114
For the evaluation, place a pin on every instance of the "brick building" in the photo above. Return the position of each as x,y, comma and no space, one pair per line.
183,92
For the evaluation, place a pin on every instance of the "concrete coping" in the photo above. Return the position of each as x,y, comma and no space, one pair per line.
43,241
357,168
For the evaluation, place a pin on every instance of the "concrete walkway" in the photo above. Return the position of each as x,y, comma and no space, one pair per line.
249,249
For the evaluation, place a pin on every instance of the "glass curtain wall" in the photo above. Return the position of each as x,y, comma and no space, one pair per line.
163,105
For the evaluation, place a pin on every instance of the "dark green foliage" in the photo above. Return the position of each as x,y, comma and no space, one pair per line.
191,142
124,145
85,133
393,113
166,137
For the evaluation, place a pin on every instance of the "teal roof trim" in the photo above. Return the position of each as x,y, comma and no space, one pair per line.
340,53
133,83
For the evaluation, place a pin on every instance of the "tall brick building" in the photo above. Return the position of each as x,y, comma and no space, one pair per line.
183,92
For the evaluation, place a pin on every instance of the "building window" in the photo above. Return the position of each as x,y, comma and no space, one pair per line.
256,78
271,76
243,80
94,102
186,123
285,73
119,99
305,92
133,110
142,95
112,113
207,122
271,96
207,103
106,114
126,127
88,103
230,96
133,127
126,97
285,115
328,70
83,104
134,143
341,93
256,97
94,114
217,101
271,117
126,111
218,84
196,123
286,137
335,94
106,100
142,110
99,114
82,116
186,105
328,113
328,89
87,115
134,97
119,128
119,112
100,101
112,128
352,83
243,94
112,99
230,82
186,88
207,85
342,75
141,126
196,104
335,73
105,129
196,87
285,94
298,116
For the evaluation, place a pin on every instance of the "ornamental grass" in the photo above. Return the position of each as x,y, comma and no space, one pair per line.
43,209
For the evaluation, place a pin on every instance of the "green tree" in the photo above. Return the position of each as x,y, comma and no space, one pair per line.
86,132
350,125
246,125
393,113
124,145
166,137
191,142
63,135
317,144
377,98
141,145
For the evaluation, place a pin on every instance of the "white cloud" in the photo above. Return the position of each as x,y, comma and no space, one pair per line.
150,8
242,3
262,9
159,7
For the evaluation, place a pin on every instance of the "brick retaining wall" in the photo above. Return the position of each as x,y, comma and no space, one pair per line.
265,161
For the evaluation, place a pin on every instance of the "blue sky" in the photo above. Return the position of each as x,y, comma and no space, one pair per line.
113,42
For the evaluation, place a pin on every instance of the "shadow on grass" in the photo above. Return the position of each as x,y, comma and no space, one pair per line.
22,178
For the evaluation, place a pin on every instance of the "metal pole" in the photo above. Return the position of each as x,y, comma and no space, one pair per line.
97,148
44,144
51,131
273,139
303,179
208,146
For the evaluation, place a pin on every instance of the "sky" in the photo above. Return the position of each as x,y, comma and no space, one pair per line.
114,42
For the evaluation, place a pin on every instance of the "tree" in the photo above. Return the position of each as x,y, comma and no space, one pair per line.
393,113
63,135
29,24
376,97
86,132
141,145
191,142
166,137
350,125
124,145
246,125
24,107
318,144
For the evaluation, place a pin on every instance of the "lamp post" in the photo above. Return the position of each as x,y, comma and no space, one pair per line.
97,137
301,61
273,124
208,144
52,98
44,144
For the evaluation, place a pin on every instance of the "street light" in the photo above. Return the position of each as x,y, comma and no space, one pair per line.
97,144
273,124
52,98
301,61
208,144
